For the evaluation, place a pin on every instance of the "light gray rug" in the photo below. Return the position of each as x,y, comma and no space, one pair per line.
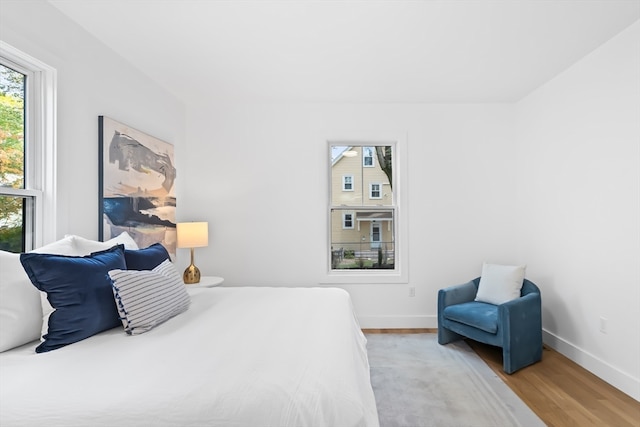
419,383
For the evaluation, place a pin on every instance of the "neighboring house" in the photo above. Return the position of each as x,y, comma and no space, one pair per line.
359,184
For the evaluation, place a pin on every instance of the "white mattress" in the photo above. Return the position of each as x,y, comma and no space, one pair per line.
238,357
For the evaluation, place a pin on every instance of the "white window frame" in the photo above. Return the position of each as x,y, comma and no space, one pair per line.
344,221
344,183
372,157
40,145
371,196
400,274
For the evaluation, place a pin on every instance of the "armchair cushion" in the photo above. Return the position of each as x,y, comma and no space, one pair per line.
477,314
500,283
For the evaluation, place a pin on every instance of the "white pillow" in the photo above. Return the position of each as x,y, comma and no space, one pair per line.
63,246
20,311
147,298
500,283
86,247
21,305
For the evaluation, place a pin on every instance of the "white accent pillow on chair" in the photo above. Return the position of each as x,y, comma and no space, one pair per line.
500,283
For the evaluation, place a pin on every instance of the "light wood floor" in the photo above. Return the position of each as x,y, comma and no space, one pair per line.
559,391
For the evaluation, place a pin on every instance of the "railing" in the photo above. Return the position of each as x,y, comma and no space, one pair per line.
361,255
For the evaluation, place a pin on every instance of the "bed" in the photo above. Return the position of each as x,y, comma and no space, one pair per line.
238,356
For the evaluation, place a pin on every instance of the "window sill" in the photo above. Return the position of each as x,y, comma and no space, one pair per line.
344,277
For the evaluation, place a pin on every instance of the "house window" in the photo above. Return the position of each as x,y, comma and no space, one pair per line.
347,183
367,157
375,191
347,220
27,129
362,222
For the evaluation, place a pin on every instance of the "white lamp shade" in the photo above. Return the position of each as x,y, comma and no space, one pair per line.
193,234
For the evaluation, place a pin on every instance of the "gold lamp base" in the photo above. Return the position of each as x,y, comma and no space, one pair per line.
191,275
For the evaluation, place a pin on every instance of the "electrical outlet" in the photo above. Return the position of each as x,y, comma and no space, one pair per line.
412,291
603,325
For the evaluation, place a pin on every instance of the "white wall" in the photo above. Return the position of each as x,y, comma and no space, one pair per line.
258,174
92,81
579,198
568,205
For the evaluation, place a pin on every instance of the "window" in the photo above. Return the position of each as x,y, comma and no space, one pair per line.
347,183
367,157
347,220
27,151
375,191
363,230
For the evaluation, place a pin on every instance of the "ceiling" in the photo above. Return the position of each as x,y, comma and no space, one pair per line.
432,51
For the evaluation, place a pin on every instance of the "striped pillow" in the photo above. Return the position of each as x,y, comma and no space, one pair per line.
147,298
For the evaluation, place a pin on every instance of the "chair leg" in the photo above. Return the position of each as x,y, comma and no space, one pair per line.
513,360
507,361
445,336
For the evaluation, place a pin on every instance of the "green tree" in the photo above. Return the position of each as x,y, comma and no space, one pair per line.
11,141
11,156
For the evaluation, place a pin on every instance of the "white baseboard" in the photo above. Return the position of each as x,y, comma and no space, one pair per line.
620,380
418,321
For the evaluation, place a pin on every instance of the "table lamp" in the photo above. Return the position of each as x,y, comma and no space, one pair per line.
192,235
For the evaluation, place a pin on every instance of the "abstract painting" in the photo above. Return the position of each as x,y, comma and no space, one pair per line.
137,186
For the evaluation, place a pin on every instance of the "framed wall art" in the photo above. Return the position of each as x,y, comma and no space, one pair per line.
137,186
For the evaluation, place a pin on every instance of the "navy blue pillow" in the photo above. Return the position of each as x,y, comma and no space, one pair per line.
79,289
147,258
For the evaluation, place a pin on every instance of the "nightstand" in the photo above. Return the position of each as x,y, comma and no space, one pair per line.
207,282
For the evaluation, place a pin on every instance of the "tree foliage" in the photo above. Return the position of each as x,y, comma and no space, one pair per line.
11,82
11,141
11,155
11,128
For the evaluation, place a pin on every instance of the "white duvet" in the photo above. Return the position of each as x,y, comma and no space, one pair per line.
238,357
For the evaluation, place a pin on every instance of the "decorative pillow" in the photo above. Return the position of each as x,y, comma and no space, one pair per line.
147,258
20,304
65,246
85,246
500,283
79,290
59,247
146,299
20,311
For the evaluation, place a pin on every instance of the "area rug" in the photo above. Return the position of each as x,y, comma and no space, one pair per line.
419,383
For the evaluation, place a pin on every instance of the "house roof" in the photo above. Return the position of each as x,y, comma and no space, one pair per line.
374,216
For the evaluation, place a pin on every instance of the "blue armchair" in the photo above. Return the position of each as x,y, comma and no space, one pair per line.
516,325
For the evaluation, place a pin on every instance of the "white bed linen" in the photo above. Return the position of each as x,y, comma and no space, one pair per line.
238,357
